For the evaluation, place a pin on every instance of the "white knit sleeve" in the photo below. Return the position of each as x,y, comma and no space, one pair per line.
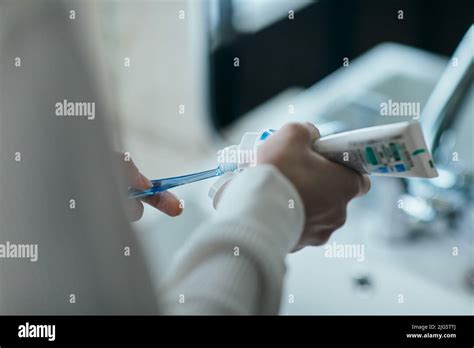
234,264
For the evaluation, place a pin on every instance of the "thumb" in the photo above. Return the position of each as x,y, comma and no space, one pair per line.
136,179
140,182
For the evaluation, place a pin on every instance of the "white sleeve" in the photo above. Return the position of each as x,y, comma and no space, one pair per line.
63,198
235,263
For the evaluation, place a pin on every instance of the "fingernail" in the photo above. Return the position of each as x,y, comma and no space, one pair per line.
146,181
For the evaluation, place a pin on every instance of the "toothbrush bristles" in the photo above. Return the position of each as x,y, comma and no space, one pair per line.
228,167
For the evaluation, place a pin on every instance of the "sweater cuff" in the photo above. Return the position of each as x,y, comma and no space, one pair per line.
263,196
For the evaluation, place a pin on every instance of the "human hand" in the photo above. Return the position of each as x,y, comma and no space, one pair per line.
325,187
165,201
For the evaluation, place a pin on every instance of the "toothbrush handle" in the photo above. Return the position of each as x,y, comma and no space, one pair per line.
134,194
160,185
186,179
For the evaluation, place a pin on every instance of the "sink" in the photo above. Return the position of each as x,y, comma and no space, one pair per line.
397,276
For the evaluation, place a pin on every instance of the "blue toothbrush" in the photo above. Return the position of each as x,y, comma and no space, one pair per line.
160,185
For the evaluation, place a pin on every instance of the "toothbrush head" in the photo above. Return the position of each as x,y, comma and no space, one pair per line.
228,167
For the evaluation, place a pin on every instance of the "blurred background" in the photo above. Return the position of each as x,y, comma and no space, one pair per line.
191,76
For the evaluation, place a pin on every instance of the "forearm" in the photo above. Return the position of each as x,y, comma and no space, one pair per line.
235,263
215,287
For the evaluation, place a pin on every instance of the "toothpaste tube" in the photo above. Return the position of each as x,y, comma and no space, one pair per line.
397,150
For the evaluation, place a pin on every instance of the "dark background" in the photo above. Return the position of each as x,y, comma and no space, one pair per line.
302,51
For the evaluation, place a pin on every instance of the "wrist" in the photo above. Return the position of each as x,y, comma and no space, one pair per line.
264,197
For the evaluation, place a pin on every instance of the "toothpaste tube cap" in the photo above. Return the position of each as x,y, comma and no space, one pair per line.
215,191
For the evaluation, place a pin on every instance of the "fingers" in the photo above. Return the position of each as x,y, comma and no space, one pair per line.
305,132
166,202
360,185
364,185
136,179
349,182
135,209
141,182
314,131
357,185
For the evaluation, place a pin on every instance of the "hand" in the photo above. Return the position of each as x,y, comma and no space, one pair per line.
324,186
166,202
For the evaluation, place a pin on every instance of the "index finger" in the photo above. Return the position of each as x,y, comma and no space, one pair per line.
313,131
364,185
165,201
300,132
